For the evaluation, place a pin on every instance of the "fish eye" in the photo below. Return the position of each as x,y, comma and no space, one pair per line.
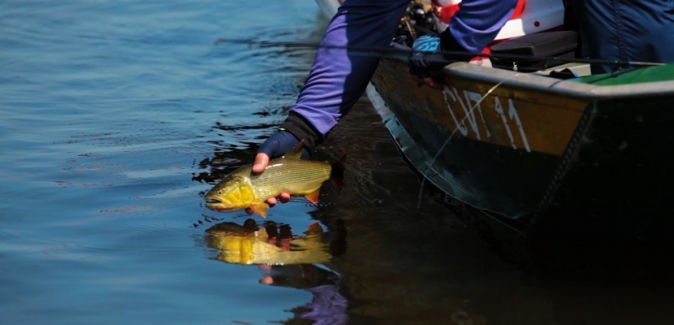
220,192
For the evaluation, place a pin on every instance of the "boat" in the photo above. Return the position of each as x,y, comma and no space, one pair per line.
585,158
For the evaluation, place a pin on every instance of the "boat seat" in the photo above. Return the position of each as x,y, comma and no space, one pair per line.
542,47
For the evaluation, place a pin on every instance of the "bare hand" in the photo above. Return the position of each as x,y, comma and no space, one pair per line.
260,164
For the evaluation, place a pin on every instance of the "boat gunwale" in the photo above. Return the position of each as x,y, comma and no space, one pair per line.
535,82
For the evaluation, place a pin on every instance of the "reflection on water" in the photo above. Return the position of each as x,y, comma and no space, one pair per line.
327,306
287,260
388,262
271,244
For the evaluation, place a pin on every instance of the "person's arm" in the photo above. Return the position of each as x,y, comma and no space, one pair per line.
476,24
340,72
338,76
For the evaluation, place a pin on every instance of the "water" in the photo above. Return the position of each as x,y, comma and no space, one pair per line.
117,116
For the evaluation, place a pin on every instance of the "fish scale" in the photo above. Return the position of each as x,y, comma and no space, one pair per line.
289,175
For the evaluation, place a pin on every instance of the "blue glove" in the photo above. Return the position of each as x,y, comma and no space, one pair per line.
426,57
281,142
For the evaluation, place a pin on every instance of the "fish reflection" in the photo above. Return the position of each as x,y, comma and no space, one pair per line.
271,244
289,261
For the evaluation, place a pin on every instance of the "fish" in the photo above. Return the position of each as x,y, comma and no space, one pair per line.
244,189
249,244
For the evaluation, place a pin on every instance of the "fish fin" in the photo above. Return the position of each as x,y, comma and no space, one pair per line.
295,152
260,208
314,228
314,231
313,197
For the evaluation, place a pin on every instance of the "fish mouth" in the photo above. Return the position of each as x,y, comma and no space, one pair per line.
212,201
216,205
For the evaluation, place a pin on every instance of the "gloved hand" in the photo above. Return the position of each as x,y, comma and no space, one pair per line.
275,146
279,143
426,56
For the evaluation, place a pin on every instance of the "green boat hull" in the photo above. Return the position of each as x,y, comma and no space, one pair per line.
592,161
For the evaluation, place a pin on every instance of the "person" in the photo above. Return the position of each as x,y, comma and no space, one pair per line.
340,74
626,30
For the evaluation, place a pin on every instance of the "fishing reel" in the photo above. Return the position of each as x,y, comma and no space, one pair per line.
418,21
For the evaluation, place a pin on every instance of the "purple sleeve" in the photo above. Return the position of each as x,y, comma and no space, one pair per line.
339,77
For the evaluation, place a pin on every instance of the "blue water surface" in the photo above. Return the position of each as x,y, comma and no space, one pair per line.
106,110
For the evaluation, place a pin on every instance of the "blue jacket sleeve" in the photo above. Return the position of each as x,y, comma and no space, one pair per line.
626,30
477,22
339,76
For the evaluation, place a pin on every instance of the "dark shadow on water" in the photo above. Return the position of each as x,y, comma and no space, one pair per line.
380,260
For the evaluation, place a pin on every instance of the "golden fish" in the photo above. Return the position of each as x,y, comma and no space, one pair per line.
249,245
242,188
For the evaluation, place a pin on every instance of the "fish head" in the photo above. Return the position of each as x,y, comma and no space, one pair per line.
233,193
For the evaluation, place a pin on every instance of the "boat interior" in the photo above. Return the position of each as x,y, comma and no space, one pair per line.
541,38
